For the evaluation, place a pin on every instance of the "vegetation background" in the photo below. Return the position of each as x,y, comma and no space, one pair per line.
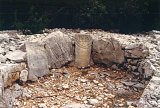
128,16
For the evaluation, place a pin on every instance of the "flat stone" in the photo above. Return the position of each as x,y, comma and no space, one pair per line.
139,86
65,86
127,83
17,56
136,51
76,105
42,105
92,101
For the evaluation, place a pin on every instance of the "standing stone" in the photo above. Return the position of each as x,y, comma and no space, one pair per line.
83,47
107,51
37,60
59,49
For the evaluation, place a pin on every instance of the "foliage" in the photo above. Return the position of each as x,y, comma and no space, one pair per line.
125,15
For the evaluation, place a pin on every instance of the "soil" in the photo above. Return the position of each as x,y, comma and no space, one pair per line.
72,85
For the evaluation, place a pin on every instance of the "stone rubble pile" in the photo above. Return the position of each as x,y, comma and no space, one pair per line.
29,57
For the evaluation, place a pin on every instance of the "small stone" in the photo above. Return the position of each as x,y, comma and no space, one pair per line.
127,83
76,105
24,103
77,98
92,101
131,106
12,48
121,105
95,81
33,107
153,103
65,86
53,107
110,96
101,85
24,75
114,67
139,86
42,105
3,59
106,98
99,98
83,80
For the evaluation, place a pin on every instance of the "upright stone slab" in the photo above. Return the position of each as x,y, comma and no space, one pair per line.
37,60
59,49
107,51
83,45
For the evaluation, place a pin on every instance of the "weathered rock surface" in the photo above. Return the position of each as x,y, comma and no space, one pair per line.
151,96
10,73
17,56
10,94
4,38
146,68
136,51
2,59
107,51
59,49
122,46
37,60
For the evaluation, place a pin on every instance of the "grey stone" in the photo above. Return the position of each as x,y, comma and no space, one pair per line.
2,51
136,51
127,83
153,103
2,59
4,37
11,93
133,62
92,101
42,105
37,60
139,86
10,73
107,51
17,56
24,75
12,48
22,47
146,68
76,105
59,49
150,94
114,67
111,86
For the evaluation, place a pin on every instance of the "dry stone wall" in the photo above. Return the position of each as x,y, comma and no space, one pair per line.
30,57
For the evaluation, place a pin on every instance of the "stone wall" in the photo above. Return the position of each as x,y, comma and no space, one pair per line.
30,57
